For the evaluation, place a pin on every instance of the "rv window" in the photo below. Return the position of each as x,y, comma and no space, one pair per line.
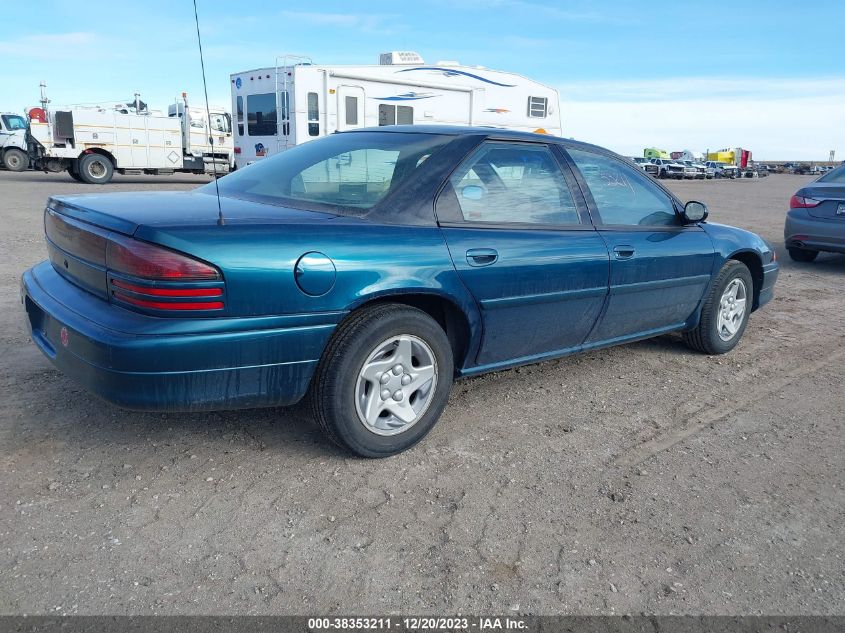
404,115
240,109
313,114
351,110
386,114
261,114
537,107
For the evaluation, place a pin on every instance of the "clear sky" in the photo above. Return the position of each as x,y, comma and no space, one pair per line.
766,75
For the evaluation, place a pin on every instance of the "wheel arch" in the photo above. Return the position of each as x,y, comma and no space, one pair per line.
445,310
754,263
96,150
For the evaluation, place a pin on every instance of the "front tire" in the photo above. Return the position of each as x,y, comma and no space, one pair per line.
725,312
383,380
95,169
15,160
802,255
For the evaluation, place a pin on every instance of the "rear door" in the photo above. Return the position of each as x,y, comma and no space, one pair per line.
659,268
521,240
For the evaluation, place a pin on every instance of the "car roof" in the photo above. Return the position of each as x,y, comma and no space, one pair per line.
468,130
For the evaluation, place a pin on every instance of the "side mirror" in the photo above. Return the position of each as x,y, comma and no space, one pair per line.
694,212
472,192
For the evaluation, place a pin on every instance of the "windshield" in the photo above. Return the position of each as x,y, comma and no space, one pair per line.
14,122
344,173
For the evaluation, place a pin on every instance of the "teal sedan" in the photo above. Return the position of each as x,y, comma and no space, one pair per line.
369,269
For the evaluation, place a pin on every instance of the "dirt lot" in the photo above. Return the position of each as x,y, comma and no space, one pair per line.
644,478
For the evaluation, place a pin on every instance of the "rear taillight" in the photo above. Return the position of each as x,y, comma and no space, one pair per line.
160,279
146,261
802,202
237,150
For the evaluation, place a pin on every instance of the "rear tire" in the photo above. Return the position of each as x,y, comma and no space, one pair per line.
15,160
388,350
802,255
722,324
95,169
72,173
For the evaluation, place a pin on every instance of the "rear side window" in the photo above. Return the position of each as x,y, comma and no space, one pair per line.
837,175
512,182
261,114
343,173
623,196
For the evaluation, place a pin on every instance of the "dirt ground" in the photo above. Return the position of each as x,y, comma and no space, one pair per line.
644,478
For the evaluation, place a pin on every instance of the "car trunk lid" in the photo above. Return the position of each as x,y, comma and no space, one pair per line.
79,229
831,197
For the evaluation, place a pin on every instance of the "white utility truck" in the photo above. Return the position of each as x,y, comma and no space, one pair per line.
296,101
13,141
92,143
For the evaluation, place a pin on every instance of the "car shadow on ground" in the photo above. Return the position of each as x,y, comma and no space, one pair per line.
67,412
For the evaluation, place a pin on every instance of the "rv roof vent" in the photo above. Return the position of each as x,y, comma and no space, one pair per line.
448,62
400,58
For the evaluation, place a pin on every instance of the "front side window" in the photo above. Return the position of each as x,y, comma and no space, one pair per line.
220,122
261,114
537,107
14,122
512,182
313,114
344,173
623,196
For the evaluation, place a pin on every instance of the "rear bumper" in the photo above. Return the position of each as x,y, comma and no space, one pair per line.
172,364
803,231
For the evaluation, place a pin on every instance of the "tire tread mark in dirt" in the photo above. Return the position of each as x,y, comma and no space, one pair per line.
699,421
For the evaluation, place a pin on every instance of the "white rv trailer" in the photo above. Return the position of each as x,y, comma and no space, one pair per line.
297,101
93,142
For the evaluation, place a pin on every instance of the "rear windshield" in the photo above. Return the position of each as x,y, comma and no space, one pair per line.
344,173
837,175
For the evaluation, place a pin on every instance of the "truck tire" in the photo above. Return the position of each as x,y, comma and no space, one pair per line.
74,174
15,160
95,169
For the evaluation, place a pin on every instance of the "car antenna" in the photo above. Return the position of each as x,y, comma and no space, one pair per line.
220,220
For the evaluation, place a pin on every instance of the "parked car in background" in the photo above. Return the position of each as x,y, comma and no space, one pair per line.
816,218
646,165
762,170
691,171
153,302
719,169
668,168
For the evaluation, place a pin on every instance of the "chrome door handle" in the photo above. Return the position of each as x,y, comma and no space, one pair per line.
623,252
482,256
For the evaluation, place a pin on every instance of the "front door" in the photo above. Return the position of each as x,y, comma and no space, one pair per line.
350,107
522,243
659,269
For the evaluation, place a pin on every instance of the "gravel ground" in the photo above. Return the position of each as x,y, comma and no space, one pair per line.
644,478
